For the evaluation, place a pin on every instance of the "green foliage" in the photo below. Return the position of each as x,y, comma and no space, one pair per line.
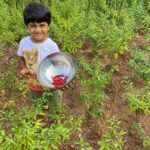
141,63
112,29
8,79
28,132
141,15
83,144
139,99
110,24
66,20
22,86
127,83
4,23
44,100
1,52
114,137
11,23
93,82
23,3
137,127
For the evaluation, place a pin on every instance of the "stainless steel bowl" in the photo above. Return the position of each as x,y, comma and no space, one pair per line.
57,64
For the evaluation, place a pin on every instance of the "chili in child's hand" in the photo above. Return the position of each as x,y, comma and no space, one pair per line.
59,80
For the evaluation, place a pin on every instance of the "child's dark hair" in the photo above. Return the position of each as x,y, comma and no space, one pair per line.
36,12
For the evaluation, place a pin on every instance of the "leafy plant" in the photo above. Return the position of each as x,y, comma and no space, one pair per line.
28,132
128,84
83,145
65,25
140,130
141,64
11,23
7,80
22,86
44,100
114,137
93,82
139,99
110,24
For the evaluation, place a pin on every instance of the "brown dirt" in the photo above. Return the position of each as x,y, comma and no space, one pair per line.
72,102
139,41
117,105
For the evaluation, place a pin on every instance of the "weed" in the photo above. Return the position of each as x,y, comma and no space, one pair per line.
140,130
108,23
66,23
94,80
44,100
22,86
128,84
114,137
28,132
83,144
139,99
141,64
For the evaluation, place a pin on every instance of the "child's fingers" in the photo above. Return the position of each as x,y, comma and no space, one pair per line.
24,71
68,86
28,75
73,81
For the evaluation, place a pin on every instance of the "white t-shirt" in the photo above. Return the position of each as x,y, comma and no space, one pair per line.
44,49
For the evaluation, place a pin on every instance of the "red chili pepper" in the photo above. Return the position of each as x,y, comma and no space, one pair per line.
59,80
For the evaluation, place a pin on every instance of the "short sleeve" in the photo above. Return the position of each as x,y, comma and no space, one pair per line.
20,49
56,48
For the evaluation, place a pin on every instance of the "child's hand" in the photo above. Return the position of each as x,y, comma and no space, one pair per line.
24,72
68,86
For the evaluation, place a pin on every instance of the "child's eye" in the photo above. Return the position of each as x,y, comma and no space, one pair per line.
32,25
42,25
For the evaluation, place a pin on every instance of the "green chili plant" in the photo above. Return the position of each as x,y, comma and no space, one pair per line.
127,83
22,86
28,132
83,145
1,52
139,99
93,82
66,24
141,64
11,22
137,127
114,139
8,79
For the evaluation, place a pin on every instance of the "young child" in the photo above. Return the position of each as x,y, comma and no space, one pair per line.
34,48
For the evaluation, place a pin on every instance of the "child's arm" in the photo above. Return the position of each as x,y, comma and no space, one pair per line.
24,70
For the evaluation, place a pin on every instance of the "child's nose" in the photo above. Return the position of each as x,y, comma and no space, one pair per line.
38,29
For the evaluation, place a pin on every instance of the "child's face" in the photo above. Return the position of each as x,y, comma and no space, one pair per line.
38,31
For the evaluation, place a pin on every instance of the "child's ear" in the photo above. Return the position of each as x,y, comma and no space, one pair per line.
28,30
49,25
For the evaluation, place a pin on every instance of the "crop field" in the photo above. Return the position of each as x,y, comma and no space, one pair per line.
108,105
